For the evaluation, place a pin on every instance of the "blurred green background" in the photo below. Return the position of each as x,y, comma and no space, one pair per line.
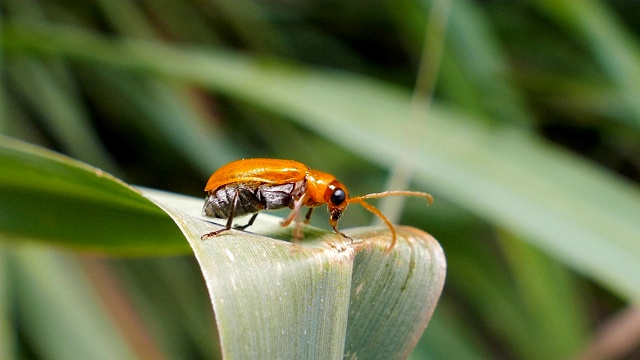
532,154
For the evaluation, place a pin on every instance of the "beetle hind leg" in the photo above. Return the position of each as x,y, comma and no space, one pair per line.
229,220
220,231
213,234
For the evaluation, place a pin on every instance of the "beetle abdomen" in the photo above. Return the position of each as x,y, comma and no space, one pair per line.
251,198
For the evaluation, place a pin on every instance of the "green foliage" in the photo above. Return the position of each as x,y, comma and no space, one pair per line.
530,144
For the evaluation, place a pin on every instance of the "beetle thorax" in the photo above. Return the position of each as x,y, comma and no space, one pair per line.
319,188
317,183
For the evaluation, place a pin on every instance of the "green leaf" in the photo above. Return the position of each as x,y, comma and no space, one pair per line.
46,196
397,292
326,297
7,336
614,46
58,309
389,299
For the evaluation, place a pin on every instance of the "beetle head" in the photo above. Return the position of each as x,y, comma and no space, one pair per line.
337,199
323,188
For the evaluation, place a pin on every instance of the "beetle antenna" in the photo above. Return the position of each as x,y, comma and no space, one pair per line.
395,193
377,212
374,210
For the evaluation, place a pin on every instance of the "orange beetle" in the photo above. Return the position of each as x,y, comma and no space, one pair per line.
251,185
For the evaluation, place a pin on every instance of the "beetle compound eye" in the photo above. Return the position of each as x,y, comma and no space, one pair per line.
338,197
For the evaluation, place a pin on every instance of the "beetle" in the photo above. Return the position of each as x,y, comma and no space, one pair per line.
249,186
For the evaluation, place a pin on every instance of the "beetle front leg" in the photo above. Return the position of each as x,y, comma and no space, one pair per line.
335,228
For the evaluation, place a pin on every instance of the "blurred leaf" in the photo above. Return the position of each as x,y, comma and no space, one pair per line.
478,63
449,336
613,45
48,89
58,310
7,333
174,111
170,299
555,313
46,196
161,110
66,117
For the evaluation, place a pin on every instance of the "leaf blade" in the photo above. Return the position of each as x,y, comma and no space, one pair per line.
316,294
401,300
49,197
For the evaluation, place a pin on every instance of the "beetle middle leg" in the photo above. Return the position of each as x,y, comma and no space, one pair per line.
307,217
242,227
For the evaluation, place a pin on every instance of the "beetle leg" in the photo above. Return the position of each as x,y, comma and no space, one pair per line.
307,218
335,228
242,227
229,220
294,216
295,211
